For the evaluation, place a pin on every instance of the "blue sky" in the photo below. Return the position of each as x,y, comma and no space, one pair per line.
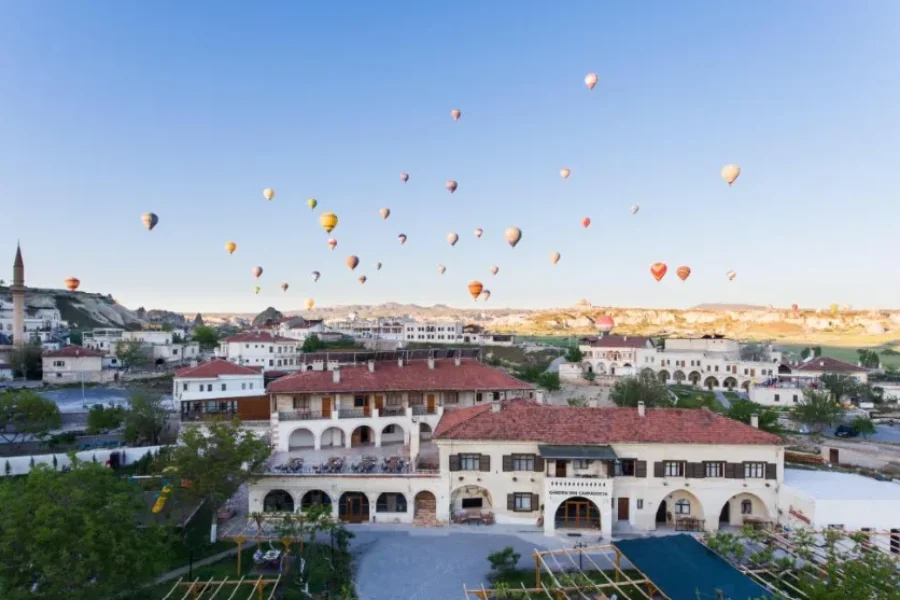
109,109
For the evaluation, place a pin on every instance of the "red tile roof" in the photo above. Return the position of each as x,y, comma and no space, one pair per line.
214,368
617,341
525,420
257,336
827,364
412,376
74,352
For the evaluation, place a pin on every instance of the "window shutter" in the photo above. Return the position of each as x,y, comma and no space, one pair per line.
538,464
484,463
640,468
510,502
699,470
738,470
535,502
659,469
729,470
507,462
454,462
771,471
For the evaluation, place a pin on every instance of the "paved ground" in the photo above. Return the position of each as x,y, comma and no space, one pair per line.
884,433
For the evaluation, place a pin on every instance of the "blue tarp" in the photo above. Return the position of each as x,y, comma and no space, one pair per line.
681,567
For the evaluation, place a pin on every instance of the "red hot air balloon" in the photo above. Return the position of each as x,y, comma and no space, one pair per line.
683,272
658,270
586,222
332,243
72,283
605,324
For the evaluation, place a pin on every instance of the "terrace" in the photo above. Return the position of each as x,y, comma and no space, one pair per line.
376,461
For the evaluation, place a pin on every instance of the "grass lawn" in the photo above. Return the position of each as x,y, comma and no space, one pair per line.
550,340
732,396
195,535
847,354
689,397
516,579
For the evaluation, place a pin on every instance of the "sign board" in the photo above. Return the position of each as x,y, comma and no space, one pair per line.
577,492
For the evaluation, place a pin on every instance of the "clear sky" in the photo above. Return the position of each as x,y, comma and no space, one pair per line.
189,109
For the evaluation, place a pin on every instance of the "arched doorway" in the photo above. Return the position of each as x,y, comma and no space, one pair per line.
425,431
661,513
332,437
711,382
314,498
741,508
390,502
353,507
677,505
301,438
663,376
577,513
425,507
694,377
278,501
678,376
392,434
730,383
587,367
612,368
362,436
471,499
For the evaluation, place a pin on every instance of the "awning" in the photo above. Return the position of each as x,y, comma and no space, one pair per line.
578,452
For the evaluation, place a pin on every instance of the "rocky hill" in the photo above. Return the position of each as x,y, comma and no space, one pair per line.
80,309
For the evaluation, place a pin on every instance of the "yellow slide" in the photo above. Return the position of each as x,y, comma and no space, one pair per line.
161,501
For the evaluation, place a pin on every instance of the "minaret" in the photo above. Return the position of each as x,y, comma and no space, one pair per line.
17,289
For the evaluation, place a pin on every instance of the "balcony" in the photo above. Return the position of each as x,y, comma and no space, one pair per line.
392,411
353,413
423,410
361,413
301,415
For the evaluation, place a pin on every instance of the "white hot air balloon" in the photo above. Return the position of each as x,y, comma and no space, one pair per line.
495,270
452,238
564,173
268,193
634,209
730,173
441,269
730,275
590,80
479,232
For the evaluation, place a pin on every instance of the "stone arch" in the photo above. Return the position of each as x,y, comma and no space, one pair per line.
391,502
577,512
302,437
679,376
353,507
694,377
676,504
425,508
333,437
392,434
362,436
612,368
315,498
600,368
646,370
743,505
587,367
784,370
471,498
663,375
278,501
710,382
425,431
730,383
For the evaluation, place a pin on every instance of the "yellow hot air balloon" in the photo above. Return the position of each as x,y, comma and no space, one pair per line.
362,278
564,173
352,261
150,220
328,221
256,289
309,303
495,270
456,114
452,238
257,271
554,257
284,287
312,203
230,247
441,269
268,193
590,80
385,213
513,235
730,173
475,289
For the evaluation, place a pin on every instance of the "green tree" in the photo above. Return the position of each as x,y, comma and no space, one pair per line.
218,462
26,362
811,352
574,354
755,351
146,419
645,387
24,414
75,338
817,410
503,562
538,375
132,353
74,535
863,426
206,336
589,375
868,358
312,343
101,419
840,386
741,410
549,381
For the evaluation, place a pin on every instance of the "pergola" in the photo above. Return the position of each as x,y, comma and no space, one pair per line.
220,588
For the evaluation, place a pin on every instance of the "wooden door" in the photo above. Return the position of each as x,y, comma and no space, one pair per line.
326,408
834,456
623,509
379,402
367,407
560,468
430,404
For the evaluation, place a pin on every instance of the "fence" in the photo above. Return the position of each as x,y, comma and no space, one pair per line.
22,465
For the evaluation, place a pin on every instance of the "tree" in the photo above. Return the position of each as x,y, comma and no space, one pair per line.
146,419
539,375
811,352
26,362
206,336
863,426
218,462
644,387
312,343
868,358
74,535
817,410
24,414
76,338
589,375
741,410
840,386
574,354
503,562
101,419
132,353
755,351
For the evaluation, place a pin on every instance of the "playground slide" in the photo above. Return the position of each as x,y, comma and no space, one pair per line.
161,500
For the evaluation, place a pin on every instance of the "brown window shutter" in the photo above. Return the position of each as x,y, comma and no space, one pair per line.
507,462
729,470
454,462
535,502
738,470
538,464
771,471
510,502
699,470
659,469
484,463
640,468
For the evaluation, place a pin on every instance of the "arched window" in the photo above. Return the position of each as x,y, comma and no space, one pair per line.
746,507
682,507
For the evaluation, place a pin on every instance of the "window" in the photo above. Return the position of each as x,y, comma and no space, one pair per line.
673,468
682,507
754,470
478,397
59,363
795,398
582,464
836,527
522,502
394,503
244,385
451,397
469,462
184,387
415,399
717,368
746,507
472,502
625,467
301,403
251,385
715,469
394,400
496,396
640,503
777,397
523,462
271,362
208,387
224,387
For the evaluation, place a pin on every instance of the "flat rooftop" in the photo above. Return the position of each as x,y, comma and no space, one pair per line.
826,485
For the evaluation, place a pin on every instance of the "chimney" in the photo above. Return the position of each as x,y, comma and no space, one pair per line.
371,366
754,421
336,375
457,361
496,406
431,362
642,409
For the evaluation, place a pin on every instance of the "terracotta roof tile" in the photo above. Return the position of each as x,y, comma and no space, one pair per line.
616,341
412,376
829,365
214,368
74,352
525,420
257,336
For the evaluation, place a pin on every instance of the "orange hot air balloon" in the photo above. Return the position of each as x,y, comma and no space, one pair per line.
475,289
451,186
385,213
362,278
230,247
658,270
564,173
441,269
309,303
554,257
404,177
352,261
332,243
328,221
284,287
683,272
456,114
486,294
452,238
590,80
72,283
586,222
401,238
479,232
495,270
268,193
257,271
513,235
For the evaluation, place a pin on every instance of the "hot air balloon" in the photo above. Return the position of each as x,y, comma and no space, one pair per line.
478,232
378,266
230,247
456,114
795,307
268,193
328,221
441,269
683,272
495,270
309,303
513,235
554,257
451,186
150,220
605,324
730,275
257,271
486,294
590,80
564,173
385,213
730,173
256,289
312,203
316,275
658,270
635,208
402,238
362,278
284,287
352,315
72,283
352,261
586,222
475,288
452,238
404,177
332,243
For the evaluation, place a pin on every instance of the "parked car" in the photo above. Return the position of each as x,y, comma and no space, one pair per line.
845,431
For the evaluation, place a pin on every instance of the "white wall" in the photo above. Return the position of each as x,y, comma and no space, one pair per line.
21,465
235,386
774,396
